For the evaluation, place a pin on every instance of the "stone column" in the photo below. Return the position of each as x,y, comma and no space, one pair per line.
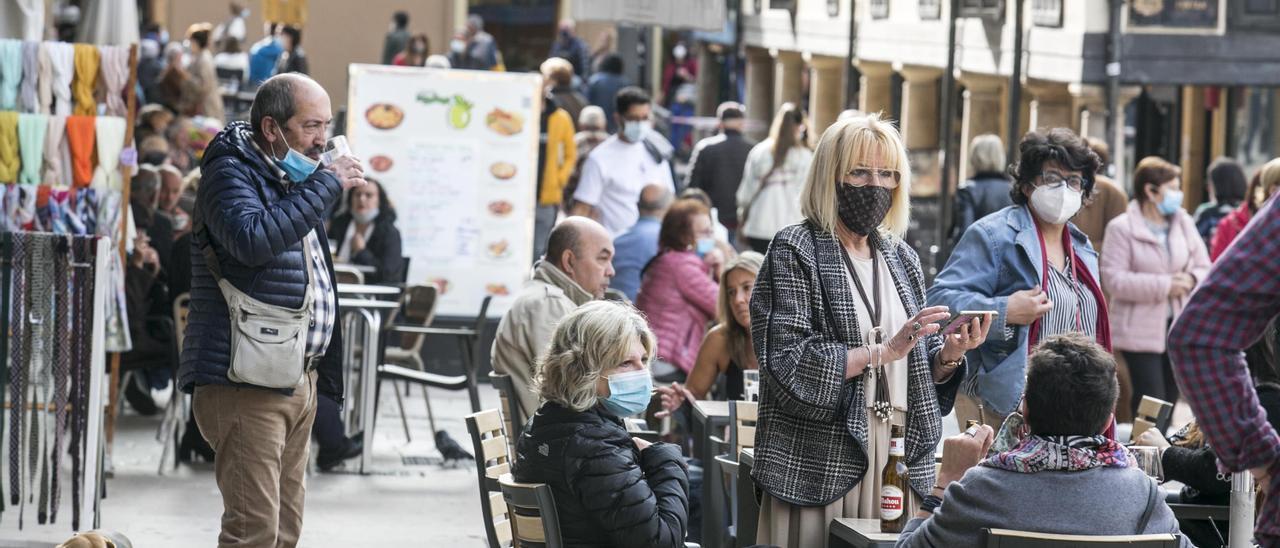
786,84
920,107
875,95
759,100
826,92
984,112
1194,145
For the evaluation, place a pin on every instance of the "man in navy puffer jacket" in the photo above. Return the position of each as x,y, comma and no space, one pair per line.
262,201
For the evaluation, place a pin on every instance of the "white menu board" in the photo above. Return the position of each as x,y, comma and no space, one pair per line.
457,151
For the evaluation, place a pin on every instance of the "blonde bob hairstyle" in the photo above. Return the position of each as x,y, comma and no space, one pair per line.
856,141
588,342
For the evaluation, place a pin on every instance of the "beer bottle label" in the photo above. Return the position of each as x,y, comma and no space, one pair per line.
891,503
896,447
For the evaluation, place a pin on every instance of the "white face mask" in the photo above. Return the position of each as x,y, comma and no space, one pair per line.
457,46
634,131
1055,205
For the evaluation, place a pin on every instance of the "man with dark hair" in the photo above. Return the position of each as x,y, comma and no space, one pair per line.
604,85
619,168
294,58
717,163
259,227
1051,481
639,244
397,37
576,269
150,362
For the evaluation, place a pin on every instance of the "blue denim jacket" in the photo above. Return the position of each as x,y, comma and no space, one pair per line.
997,256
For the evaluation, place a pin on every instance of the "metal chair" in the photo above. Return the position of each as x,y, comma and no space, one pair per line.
469,343
347,274
741,436
512,412
532,509
489,445
1004,538
174,423
418,308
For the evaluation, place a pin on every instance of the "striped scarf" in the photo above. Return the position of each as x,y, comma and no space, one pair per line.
1061,453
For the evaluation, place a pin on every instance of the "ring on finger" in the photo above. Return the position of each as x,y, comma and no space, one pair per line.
916,326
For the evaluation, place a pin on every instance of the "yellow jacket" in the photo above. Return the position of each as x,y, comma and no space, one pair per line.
562,156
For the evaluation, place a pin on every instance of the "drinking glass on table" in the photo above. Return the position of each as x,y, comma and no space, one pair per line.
1148,459
751,385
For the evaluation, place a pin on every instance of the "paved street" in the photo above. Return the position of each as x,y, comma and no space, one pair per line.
401,505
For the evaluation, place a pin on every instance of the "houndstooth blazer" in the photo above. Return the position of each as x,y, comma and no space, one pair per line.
811,437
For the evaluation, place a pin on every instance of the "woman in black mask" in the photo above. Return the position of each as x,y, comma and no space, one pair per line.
846,345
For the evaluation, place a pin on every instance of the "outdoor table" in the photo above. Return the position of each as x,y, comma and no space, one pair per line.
708,417
371,311
363,290
859,533
1220,512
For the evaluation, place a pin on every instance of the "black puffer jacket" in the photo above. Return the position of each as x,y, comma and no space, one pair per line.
984,194
608,493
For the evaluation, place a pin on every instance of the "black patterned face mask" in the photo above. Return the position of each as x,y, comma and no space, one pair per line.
862,208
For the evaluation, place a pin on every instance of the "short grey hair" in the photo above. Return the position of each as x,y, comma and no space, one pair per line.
986,154
275,98
584,347
592,118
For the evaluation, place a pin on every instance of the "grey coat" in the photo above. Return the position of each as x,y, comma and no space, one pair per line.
1101,501
811,437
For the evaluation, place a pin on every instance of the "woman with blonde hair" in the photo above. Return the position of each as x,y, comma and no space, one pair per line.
727,348
610,489
840,298
769,196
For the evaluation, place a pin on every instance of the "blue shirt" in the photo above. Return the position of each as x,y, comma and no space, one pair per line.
631,251
262,61
602,88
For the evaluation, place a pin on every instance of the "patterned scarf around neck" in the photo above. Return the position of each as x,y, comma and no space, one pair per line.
1061,453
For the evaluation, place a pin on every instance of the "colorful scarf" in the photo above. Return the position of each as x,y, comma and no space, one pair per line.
10,73
1061,454
9,159
87,58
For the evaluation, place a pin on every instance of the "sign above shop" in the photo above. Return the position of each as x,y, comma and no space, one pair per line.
706,15
1176,16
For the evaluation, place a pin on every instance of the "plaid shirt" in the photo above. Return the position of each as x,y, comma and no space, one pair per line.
1227,313
325,309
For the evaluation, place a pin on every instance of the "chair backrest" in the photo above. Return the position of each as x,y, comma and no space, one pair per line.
478,342
489,445
418,308
404,271
742,421
1004,538
230,78
512,412
534,520
181,307
346,274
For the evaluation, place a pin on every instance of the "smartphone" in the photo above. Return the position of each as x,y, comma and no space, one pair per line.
963,318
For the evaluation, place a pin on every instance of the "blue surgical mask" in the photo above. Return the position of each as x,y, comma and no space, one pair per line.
705,245
1171,203
296,165
633,131
629,392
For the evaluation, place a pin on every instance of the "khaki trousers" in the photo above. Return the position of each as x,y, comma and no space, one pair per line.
262,438
968,408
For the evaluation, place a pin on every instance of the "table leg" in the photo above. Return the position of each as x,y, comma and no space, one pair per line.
368,385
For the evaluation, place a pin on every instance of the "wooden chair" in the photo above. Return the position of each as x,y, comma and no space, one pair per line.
174,423
1004,538
742,434
489,445
512,412
534,521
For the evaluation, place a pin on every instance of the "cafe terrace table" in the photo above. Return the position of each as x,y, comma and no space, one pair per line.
859,533
371,311
363,290
710,417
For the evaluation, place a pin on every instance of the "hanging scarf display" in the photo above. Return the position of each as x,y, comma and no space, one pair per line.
10,73
53,170
80,138
62,58
87,60
61,366
115,73
109,224
44,83
1061,454
83,273
31,139
110,137
9,162
27,100
17,380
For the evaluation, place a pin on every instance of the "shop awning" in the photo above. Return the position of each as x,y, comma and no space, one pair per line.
708,15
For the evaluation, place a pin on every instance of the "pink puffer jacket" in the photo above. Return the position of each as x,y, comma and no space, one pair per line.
678,296
1137,272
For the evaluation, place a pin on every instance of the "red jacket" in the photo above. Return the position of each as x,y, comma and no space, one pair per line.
678,296
1230,227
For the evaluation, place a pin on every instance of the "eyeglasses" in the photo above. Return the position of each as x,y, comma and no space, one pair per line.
1054,180
863,176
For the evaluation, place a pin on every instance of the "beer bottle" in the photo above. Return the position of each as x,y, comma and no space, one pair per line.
893,485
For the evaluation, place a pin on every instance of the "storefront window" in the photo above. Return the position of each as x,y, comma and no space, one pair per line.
1253,118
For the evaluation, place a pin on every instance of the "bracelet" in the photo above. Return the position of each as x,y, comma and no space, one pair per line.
930,503
940,487
950,364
